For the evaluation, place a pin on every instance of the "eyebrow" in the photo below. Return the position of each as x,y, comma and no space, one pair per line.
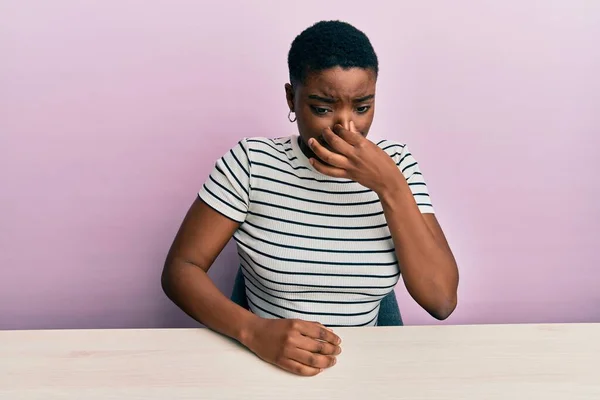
364,98
331,100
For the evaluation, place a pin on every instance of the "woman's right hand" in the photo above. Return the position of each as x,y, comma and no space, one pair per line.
301,347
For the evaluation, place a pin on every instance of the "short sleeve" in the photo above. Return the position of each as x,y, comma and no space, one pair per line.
227,189
410,169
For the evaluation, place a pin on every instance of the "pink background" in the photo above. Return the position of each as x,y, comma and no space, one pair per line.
112,113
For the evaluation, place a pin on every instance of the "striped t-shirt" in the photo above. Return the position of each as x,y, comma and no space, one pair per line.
311,246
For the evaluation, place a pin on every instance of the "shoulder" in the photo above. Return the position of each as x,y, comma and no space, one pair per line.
262,144
269,144
394,149
251,151
257,148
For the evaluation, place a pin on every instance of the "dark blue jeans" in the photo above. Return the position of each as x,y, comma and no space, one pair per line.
389,312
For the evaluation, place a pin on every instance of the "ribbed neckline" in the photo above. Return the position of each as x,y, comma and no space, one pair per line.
302,159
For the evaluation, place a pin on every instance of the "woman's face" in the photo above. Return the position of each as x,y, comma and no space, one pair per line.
333,96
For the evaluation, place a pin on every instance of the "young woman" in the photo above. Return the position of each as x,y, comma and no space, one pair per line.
325,221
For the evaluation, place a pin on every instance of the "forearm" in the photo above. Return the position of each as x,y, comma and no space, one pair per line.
428,267
191,289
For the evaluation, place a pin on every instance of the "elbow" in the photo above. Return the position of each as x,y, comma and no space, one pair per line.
444,308
173,275
166,281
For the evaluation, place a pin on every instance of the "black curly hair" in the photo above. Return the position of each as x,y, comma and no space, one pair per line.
329,44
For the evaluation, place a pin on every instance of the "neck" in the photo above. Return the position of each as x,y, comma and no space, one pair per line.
305,149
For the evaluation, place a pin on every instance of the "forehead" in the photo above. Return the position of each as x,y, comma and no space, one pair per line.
339,82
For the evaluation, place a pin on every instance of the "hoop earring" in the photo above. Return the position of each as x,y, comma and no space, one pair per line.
290,116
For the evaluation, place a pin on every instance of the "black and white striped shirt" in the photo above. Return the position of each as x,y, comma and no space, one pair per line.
311,246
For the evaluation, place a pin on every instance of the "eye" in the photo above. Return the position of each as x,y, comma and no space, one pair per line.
362,109
320,110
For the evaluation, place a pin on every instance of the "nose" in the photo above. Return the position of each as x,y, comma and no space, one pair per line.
344,118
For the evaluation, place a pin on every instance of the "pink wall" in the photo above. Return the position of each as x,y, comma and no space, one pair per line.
112,115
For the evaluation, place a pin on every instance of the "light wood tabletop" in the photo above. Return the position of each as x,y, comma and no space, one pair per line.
435,362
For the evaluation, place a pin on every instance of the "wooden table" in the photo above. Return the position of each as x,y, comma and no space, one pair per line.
442,362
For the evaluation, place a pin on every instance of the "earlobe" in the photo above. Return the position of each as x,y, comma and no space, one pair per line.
290,118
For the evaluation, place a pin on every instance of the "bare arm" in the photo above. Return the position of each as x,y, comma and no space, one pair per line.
428,267
301,347
201,237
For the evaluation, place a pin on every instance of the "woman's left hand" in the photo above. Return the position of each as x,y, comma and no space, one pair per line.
355,158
